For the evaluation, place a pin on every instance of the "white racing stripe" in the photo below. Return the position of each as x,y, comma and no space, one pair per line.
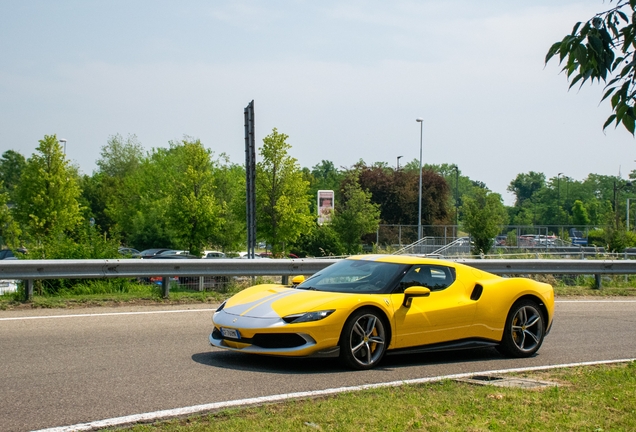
104,314
179,412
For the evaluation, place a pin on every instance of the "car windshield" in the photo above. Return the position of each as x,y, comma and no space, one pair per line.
356,276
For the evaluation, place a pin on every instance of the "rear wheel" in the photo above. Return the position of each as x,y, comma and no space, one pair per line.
524,331
364,340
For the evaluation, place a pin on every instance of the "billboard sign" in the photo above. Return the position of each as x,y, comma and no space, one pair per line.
325,206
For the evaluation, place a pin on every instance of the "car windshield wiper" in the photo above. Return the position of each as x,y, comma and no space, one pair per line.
309,288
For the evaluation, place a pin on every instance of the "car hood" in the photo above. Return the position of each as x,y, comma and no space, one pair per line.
273,301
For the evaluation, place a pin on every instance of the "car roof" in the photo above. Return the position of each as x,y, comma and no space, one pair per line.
402,259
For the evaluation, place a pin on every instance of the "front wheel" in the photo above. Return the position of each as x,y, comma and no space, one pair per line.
524,331
364,340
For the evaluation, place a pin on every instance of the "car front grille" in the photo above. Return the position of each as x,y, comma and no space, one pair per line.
268,340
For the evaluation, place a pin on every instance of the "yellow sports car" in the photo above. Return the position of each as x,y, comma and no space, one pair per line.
365,306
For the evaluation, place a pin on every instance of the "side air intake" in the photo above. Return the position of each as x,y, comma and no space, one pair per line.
477,292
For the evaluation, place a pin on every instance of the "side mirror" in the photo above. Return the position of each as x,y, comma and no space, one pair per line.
415,291
297,280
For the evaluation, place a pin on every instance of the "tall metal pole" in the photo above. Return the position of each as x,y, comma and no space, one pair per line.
250,172
559,201
627,215
456,198
419,195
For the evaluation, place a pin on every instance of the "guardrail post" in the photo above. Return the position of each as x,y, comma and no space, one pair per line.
28,289
285,280
165,286
201,283
597,281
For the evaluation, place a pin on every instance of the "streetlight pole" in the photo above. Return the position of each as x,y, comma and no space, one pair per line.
398,162
456,198
419,196
559,200
62,140
616,190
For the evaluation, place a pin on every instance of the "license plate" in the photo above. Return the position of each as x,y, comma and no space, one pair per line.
230,333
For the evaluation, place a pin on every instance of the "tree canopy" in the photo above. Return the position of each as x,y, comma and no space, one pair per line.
282,205
47,193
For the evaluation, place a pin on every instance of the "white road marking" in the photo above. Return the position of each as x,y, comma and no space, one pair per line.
104,314
595,301
179,412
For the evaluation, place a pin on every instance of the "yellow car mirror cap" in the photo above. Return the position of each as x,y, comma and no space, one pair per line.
297,280
415,291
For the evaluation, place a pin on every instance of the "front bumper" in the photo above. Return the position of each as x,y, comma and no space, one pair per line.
273,336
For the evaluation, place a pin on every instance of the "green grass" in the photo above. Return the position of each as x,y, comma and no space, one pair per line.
595,398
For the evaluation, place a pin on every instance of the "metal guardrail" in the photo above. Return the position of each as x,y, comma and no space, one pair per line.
124,268
30,270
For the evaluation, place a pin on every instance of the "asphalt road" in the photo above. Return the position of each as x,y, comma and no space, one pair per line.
75,369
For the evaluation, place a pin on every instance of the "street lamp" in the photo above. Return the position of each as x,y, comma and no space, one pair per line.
419,212
559,189
559,200
616,189
456,168
398,162
62,140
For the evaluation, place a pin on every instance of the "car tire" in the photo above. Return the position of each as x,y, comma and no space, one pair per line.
364,339
524,331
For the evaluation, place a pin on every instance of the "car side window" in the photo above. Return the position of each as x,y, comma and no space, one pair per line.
435,278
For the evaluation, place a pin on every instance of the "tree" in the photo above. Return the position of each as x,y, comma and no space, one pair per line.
281,195
106,189
9,229
192,208
396,193
12,164
603,48
579,214
120,157
355,215
47,194
138,206
484,218
229,181
525,186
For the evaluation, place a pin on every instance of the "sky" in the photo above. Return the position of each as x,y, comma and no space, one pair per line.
345,80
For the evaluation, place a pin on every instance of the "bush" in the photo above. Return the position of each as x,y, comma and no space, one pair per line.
321,240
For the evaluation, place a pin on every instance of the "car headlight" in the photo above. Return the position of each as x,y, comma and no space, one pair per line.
308,316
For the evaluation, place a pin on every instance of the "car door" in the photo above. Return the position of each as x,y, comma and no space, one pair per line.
445,315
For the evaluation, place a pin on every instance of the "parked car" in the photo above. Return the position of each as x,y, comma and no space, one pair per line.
149,253
129,252
7,254
157,280
576,237
9,285
173,256
213,254
175,252
500,240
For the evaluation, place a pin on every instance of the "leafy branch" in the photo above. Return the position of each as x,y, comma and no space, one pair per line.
603,49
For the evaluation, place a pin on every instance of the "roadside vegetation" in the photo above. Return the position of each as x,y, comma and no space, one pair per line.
593,398
186,196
